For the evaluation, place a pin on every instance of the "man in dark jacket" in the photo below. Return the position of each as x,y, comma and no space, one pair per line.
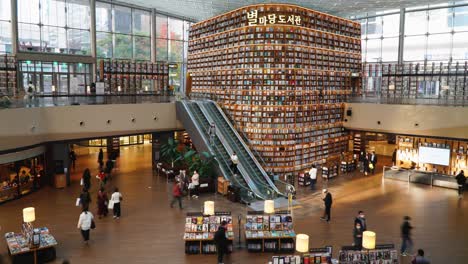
328,203
361,219
406,235
373,161
221,241
461,180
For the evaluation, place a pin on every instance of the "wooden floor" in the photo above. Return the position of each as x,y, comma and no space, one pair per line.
151,232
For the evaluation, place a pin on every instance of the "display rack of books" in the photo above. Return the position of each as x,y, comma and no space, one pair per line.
331,167
377,256
130,77
282,73
269,232
7,75
357,143
304,179
200,230
315,255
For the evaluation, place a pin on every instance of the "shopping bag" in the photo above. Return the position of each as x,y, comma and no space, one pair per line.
93,224
77,202
371,166
191,186
110,205
81,182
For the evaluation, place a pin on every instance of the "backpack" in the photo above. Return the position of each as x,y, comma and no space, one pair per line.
30,90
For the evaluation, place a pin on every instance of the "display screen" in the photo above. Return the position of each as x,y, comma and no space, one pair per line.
438,156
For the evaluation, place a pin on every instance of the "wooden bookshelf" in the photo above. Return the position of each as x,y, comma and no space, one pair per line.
134,76
283,81
8,68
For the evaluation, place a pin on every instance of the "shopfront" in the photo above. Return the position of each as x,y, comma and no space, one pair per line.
21,173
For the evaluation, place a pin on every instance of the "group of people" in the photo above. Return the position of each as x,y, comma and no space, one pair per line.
181,184
367,162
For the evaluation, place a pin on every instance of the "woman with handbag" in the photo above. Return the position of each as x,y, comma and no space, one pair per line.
116,198
85,223
102,201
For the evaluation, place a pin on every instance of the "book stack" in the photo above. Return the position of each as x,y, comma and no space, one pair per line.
384,256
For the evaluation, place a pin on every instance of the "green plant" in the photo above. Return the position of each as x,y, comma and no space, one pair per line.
203,163
170,153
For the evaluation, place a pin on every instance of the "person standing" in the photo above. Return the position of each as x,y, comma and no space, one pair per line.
85,199
212,133
87,179
234,162
394,155
362,157
361,219
313,177
420,259
366,164
85,223
461,181
102,178
72,155
406,236
116,198
221,241
101,158
195,184
328,200
176,195
357,236
102,201
373,161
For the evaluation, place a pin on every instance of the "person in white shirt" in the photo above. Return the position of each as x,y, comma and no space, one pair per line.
195,184
84,224
235,162
116,198
313,177
212,133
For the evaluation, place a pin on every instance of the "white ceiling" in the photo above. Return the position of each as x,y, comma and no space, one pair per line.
202,9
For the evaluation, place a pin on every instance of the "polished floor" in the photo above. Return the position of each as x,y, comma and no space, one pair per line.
151,232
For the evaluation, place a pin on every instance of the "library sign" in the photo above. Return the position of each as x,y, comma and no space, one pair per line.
272,19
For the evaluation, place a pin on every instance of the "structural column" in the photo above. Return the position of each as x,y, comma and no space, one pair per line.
14,27
401,40
153,35
92,8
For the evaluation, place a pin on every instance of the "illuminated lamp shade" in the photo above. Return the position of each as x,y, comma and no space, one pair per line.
208,208
368,240
302,243
88,89
29,215
269,207
53,88
119,89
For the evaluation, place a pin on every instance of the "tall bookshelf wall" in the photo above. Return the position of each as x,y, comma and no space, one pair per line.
7,75
282,73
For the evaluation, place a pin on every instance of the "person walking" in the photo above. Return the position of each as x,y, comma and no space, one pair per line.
419,258
328,200
87,179
357,236
102,178
366,164
461,181
407,243
221,241
101,158
72,155
362,157
373,161
212,133
195,184
234,162
176,195
108,169
361,219
102,201
85,223
394,155
116,198
313,177
85,199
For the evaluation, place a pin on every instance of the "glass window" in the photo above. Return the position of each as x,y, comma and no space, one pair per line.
439,20
53,13
416,23
460,20
176,51
5,13
79,42
161,49
123,46
141,23
104,44
374,27
103,17
460,47
186,30
122,19
363,49
54,39
176,29
390,49
161,26
391,25
438,47
76,11
142,48
415,48
29,37
373,50
28,11
363,27
5,37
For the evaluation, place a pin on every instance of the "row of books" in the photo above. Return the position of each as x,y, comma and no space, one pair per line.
132,67
269,234
370,256
204,227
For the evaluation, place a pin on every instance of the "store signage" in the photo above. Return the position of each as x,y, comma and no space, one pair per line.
272,19
405,144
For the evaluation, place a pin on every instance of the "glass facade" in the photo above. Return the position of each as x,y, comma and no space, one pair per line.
431,33
5,27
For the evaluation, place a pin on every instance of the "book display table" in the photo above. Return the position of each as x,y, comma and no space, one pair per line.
21,251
